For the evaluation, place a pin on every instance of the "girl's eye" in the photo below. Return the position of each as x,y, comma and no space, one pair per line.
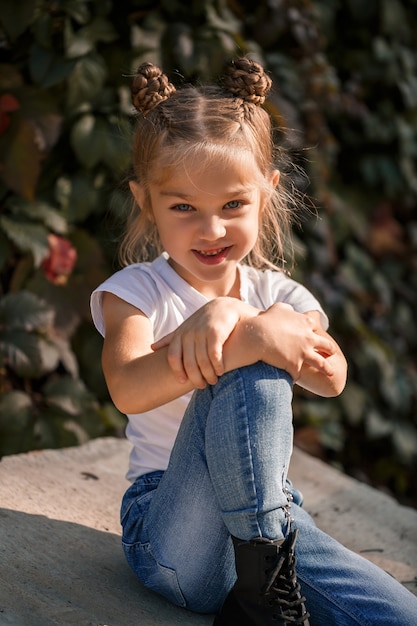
182,207
233,204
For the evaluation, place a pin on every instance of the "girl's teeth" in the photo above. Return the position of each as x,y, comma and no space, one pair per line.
211,253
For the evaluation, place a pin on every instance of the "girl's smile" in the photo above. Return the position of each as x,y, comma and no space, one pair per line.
212,257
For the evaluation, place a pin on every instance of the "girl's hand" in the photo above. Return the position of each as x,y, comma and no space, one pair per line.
293,341
195,349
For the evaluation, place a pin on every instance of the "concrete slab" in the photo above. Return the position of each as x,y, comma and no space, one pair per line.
60,557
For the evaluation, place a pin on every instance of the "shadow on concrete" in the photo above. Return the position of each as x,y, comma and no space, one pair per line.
56,573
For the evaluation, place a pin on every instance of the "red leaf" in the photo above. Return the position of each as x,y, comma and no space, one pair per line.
8,104
20,166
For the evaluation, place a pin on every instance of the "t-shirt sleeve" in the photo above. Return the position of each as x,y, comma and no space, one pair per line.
129,284
277,287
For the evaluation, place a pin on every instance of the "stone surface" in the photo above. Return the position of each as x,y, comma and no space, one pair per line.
61,562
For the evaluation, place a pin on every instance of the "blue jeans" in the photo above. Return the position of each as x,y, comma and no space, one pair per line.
228,476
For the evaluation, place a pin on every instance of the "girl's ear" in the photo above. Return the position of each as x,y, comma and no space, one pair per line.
275,176
138,193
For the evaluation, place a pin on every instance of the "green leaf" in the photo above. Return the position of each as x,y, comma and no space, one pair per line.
394,18
85,39
25,311
27,237
117,155
332,436
89,140
77,196
377,425
67,356
39,212
69,395
353,400
47,68
112,418
77,44
15,411
43,30
16,422
16,16
79,10
50,431
20,162
5,250
30,356
86,81
405,441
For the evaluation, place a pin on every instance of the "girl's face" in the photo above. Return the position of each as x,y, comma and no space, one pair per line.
208,221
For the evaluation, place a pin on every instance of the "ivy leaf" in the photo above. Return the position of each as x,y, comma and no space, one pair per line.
20,164
117,151
16,422
46,67
5,249
15,411
16,16
40,212
112,417
78,10
89,140
405,441
29,355
27,237
86,81
67,356
353,400
77,196
377,425
85,39
69,395
25,311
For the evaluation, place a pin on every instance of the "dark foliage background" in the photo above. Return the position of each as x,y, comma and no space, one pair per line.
345,75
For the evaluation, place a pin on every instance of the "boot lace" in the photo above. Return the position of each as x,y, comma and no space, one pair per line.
282,590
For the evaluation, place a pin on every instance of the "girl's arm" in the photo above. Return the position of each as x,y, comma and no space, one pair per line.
226,334
223,335
140,378
295,342
137,378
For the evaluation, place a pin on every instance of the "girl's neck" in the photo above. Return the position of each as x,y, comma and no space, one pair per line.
212,290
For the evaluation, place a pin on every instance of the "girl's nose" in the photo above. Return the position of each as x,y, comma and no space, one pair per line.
212,228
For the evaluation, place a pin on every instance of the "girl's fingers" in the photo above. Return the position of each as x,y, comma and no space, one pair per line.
163,342
192,358
197,364
321,363
175,359
205,363
325,347
189,364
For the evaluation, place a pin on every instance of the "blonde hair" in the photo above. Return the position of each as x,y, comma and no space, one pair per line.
225,122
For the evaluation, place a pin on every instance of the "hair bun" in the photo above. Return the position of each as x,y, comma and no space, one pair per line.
150,86
248,80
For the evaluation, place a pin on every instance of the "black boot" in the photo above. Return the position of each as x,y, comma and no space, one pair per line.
266,591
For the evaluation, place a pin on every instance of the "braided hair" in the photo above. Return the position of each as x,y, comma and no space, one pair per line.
200,125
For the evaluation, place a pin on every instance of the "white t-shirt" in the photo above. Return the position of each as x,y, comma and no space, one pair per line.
167,300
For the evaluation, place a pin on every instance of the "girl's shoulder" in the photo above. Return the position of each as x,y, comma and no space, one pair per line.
263,280
136,284
263,288
131,277
155,289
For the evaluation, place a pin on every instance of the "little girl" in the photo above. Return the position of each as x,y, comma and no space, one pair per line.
202,345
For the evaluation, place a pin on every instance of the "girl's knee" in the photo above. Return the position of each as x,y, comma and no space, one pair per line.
259,371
